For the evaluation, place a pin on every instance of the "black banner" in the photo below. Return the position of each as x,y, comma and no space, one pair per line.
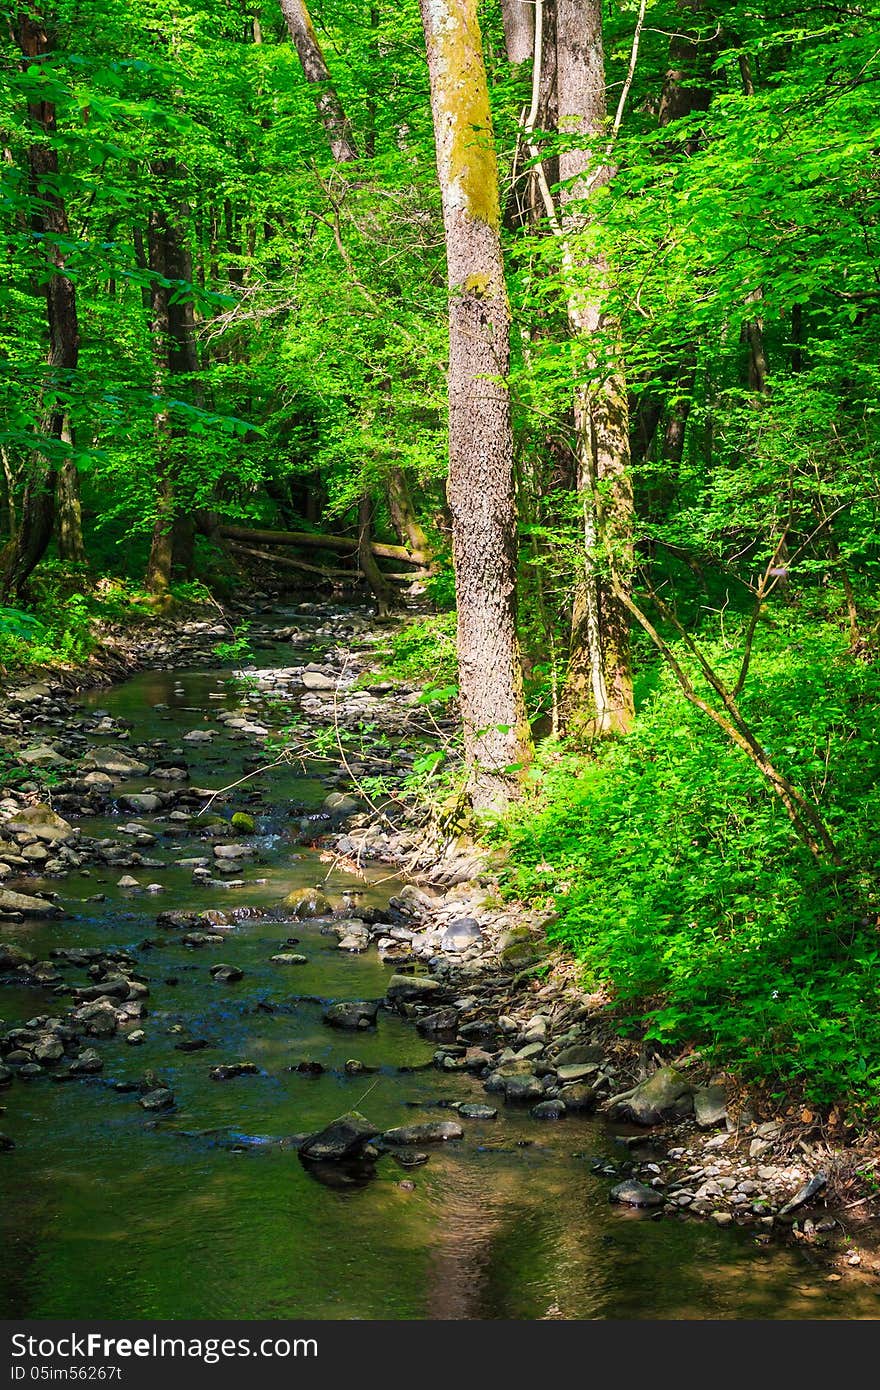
269,1354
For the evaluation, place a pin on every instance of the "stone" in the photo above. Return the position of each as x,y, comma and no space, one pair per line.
523,1089
307,904
227,974
127,881
42,822
343,1139
474,1111
431,1132
578,1054
805,1194
41,755
519,948
443,1021
159,1099
315,679
135,1038
353,1014
233,851
227,1070
144,802
88,1063
461,934
635,1194
12,957
721,1218
340,804
117,764
665,1095
548,1110
406,988
579,1096
710,1106
288,958
243,823
6,1144
575,1071
26,905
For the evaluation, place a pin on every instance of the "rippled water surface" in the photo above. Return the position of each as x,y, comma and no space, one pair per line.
205,1212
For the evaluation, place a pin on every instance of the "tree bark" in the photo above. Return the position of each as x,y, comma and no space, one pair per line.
598,696
330,110
70,534
403,516
37,514
175,355
518,17
367,561
480,486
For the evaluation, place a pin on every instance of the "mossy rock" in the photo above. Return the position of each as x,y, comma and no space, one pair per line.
244,823
519,947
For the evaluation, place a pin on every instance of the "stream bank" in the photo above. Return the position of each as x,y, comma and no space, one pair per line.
234,925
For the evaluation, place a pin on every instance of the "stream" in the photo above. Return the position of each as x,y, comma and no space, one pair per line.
204,1211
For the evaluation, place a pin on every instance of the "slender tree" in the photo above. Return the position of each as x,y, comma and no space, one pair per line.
597,697
175,356
36,518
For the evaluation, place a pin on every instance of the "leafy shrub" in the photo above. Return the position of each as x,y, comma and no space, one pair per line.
680,886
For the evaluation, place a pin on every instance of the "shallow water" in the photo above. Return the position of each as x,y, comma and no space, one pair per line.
204,1212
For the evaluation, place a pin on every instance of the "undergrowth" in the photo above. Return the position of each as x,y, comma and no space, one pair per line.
681,888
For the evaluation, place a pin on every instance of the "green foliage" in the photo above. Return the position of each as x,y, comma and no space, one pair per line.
238,648
680,887
424,650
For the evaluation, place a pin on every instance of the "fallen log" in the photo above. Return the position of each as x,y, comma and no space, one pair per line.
287,562
309,540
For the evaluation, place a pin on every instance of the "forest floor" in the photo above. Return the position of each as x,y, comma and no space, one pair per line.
701,1145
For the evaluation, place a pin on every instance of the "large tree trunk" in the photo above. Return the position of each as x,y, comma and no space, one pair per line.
37,514
175,355
597,697
480,487
330,110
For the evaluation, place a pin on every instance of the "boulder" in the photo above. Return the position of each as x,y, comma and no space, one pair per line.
341,804
42,822
353,1014
26,905
343,1139
116,764
665,1095
305,904
159,1099
461,934
710,1106
523,1089
227,974
144,802
407,988
548,1110
11,957
635,1194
